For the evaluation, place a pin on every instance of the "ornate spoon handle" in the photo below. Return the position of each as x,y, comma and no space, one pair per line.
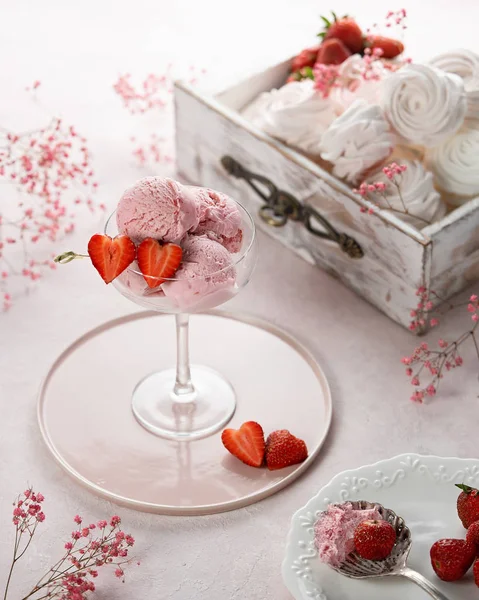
422,582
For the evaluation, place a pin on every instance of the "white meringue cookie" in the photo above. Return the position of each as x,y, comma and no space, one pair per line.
357,141
464,63
295,113
424,104
353,85
455,164
422,201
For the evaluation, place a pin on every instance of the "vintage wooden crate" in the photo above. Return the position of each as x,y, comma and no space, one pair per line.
379,256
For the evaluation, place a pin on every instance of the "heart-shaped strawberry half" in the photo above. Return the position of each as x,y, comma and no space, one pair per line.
111,257
246,443
283,449
158,262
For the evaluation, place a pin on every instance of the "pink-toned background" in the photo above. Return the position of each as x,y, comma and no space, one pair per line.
78,50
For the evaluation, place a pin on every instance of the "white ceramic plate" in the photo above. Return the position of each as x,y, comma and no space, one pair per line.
418,488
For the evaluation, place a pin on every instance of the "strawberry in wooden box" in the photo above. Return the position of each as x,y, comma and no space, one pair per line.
361,161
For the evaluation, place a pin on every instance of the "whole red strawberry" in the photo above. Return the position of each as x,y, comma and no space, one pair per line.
468,505
345,29
451,559
472,534
332,52
306,58
390,48
475,570
374,540
283,449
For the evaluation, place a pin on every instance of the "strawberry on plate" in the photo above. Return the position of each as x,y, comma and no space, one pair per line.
111,257
345,29
475,570
451,559
332,52
306,58
158,262
374,540
283,449
472,535
468,505
390,48
246,443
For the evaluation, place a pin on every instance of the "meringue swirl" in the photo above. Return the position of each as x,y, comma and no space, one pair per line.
465,64
353,83
424,104
357,141
455,164
295,113
416,193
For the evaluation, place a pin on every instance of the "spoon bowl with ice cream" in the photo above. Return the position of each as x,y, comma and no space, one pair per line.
335,546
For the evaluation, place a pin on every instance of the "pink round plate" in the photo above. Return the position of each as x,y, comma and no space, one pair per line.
85,416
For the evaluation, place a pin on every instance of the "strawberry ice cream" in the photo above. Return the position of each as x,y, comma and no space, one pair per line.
159,208
218,215
206,277
207,226
232,244
334,531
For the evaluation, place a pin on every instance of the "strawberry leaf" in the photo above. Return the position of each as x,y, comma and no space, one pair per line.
326,22
322,35
307,73
465,488
304,73
335,16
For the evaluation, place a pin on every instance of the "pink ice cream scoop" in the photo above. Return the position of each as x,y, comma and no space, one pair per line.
157,207
334,531
218,214
206,277
232,244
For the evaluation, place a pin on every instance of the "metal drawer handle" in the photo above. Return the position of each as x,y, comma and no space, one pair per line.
281,206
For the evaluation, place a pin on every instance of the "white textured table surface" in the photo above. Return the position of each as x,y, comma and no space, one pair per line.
77,50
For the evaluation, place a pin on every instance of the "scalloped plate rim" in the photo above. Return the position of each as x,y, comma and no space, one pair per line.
308,507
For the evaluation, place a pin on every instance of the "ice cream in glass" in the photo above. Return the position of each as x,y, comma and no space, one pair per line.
207,241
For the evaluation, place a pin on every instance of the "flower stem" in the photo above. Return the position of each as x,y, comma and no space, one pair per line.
14,560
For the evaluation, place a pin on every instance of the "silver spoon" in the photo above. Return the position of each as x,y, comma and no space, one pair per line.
395,564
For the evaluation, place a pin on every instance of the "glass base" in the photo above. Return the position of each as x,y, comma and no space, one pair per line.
196,415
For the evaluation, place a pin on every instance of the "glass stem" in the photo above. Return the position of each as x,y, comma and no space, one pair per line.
184,389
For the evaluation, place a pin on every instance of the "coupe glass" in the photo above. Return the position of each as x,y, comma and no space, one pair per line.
187,401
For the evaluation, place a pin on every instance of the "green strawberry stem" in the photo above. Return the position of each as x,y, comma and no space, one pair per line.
67,257
465,488
304,73
328,23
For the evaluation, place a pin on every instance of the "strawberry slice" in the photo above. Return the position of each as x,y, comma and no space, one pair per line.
110,257
332,52
391,48
284,449
246,443
158,262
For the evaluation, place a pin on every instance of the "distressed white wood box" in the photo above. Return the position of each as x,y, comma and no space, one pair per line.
218,148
